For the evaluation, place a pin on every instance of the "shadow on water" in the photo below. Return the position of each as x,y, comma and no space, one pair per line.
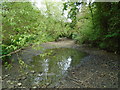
44,69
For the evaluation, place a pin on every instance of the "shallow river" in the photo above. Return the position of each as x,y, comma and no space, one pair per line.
62,64
42,70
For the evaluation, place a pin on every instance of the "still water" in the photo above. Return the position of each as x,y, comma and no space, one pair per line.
42,70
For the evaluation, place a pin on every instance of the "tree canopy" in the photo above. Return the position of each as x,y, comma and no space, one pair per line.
96,24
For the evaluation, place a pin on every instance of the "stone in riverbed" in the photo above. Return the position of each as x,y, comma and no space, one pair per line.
73,72
34,87
26,73
8,81
11,83
33,71
19,79
6,76
23,78
19,84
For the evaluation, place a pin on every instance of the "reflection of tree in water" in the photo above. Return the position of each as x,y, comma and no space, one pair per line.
65,64
46,68
59,60
55,62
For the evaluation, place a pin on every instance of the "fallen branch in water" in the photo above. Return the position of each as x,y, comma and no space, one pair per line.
16,51
11,53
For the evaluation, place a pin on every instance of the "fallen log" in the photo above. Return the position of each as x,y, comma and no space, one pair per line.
16,51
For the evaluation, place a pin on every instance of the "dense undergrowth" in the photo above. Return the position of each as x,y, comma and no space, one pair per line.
97,24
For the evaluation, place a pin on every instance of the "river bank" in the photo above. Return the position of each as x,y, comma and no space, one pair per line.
99,69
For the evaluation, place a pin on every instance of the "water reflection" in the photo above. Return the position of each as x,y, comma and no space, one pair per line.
54,65
65,64
49,67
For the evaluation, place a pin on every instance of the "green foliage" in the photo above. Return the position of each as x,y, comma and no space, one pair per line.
23,25
72,12
84,26
23,64
108,23
7,65
19,21
97,24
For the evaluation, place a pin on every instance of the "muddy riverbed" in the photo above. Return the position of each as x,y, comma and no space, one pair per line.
62,64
